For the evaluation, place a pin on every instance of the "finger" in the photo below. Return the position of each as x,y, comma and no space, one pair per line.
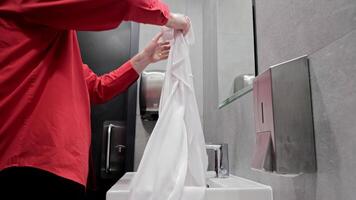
186,30
164,57
157,36
164,48
162,54
164,43
165,52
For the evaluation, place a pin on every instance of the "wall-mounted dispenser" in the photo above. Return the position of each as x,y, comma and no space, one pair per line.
284,120
151,84
113,149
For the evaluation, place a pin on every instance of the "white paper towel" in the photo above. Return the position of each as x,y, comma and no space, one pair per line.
174,163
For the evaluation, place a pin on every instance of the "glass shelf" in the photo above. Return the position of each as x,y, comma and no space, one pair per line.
236,95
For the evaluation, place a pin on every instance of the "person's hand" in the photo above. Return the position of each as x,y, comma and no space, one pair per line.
155,51
179,22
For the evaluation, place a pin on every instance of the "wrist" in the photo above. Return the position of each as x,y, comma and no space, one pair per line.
140,61
170,21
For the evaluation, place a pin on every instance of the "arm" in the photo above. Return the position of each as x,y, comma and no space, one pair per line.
86,14
148,11
104,87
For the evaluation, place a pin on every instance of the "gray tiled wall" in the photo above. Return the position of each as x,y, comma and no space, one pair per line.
325,30
289,28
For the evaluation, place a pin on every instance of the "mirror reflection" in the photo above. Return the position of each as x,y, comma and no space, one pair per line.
235,42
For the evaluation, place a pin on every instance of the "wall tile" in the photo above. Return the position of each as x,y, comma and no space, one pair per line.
288,28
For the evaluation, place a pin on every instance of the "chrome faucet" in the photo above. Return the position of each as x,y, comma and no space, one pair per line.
221,159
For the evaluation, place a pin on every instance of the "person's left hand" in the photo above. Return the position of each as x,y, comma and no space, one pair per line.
155,51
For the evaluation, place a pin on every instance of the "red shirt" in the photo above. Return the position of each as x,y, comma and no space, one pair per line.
45,90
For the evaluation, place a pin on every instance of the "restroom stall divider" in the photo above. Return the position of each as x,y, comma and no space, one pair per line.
103,52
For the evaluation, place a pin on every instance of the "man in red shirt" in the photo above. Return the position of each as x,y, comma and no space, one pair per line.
46,90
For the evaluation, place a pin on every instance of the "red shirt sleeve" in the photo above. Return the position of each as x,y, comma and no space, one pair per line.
103,88
87,14
140,9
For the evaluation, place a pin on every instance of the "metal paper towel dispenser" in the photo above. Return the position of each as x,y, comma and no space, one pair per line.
284,120
151,84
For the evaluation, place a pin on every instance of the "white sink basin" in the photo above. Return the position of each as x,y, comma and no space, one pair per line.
231,188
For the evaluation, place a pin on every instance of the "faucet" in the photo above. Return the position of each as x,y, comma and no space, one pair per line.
221,159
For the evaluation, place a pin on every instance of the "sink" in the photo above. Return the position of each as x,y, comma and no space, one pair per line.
230,188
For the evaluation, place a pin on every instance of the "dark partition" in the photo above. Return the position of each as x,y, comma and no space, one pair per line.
103,52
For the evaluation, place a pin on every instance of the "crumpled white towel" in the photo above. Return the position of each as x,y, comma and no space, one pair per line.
174,163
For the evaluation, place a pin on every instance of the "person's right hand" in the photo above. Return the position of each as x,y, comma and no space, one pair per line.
179,22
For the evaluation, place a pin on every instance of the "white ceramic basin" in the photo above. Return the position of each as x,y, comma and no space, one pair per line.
231,188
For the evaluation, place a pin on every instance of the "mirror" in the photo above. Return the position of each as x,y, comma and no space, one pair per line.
235,49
